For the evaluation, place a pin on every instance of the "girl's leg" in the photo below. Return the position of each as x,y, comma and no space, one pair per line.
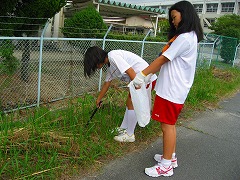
125,120
129,102
169,140
168,113
165,167
174,149
132,122
158,157
132,119
128,136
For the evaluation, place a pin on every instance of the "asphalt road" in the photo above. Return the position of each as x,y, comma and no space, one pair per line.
208,148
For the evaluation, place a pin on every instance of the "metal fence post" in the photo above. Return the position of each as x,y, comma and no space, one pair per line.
150,30
40,63
219,48
103,47
235,54
214,43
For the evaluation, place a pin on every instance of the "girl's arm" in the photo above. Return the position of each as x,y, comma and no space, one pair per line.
155,66
131,73
103,92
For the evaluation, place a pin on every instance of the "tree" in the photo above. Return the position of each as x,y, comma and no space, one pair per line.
17,15
228,26
23,18
87,23
163,26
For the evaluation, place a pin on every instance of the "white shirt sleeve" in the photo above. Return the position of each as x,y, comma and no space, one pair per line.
119,62
178,47
118,65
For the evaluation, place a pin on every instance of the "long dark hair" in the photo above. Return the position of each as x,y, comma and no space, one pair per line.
190,20
93,56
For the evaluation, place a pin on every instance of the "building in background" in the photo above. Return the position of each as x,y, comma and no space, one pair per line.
126,18
208,10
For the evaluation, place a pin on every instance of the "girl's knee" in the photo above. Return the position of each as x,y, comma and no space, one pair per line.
167,127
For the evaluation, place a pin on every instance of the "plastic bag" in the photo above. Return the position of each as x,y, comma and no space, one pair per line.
141,99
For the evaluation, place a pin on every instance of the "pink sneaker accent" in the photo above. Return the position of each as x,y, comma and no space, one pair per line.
159,170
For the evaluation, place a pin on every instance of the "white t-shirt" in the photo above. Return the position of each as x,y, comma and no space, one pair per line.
120,61
176,76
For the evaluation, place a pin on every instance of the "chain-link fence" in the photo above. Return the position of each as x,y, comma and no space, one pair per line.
236,61
49,69
223,51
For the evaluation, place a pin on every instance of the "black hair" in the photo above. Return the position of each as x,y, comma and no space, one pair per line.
93,56
190,20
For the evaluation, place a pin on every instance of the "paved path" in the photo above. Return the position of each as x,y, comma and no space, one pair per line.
208,148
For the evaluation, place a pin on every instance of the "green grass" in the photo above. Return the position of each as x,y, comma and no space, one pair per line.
55,142
210,85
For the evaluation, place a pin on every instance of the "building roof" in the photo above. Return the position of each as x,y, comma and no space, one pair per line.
110,8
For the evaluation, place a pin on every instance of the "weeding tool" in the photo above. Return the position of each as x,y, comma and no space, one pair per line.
94,112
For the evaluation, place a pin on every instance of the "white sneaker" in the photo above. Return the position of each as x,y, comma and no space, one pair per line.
124,138
158,158
159,170
119,130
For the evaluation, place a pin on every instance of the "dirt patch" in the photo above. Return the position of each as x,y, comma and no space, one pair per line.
222,74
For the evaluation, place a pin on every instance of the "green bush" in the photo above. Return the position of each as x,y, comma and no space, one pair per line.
8,63
86,23
228,49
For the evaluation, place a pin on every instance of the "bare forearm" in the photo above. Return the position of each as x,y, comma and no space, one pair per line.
131,73
155,66
103,91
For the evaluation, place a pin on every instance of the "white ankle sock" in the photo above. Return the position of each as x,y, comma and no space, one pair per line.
132,122
173,155
165,162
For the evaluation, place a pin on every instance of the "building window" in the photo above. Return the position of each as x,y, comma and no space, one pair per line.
239,8
227,7
198,7
212,7
210,21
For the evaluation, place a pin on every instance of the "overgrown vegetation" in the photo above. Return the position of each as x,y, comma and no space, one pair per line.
55,142
211,85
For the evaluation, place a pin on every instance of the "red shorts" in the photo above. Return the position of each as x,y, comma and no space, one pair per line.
165,111
153,84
